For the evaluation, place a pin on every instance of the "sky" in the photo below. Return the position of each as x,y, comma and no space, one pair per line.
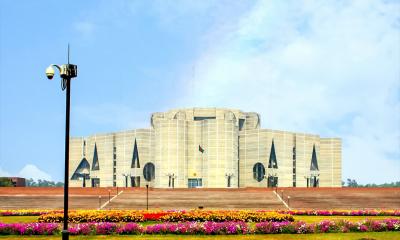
326,67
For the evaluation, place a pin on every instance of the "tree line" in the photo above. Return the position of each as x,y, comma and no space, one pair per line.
43,183
353,183
6,182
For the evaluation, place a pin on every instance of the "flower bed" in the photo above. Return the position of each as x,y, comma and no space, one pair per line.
96,216
156,215
206,228
342,212
27,212
328,226
226,215
167,216
29,228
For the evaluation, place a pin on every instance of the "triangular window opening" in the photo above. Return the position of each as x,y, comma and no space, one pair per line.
273,163
82,170
135,157
314,162
95,163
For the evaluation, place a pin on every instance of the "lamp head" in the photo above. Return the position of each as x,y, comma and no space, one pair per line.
50,72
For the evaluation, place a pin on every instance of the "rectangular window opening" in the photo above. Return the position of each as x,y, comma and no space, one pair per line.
241,124
203,118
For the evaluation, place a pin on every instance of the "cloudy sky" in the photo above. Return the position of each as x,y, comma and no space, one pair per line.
326,67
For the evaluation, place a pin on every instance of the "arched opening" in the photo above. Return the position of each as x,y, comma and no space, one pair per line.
258,172
149,172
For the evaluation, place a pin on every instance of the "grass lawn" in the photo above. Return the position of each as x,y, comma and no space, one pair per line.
329,236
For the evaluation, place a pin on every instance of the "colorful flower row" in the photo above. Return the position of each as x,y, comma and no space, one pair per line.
167,216
327,226
155,215
27,212
223,228
208,228
29,228
95,216
226,215
343,212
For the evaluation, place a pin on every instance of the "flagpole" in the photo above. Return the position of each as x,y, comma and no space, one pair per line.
202,157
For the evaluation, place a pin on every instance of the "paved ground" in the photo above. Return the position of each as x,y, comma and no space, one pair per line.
53,198
249,198
194,198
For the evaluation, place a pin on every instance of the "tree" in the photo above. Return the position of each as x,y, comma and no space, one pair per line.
43,183
351,183
5,182
31,183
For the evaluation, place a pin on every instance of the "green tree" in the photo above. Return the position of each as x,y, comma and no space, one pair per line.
5,182
351,183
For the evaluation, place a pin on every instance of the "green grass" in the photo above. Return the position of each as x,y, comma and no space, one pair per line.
328,236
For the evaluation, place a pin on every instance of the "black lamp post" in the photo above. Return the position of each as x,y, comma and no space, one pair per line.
85,175
99,202
109,195
67,72
171,180
147,196
126,179
84,182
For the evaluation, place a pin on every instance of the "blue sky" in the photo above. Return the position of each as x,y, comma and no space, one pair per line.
326,67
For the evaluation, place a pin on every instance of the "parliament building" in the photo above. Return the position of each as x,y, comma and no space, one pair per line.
205,147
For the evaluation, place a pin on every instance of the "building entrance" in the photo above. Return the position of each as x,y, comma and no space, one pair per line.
95,182
135,181
272,181
195,182
313,182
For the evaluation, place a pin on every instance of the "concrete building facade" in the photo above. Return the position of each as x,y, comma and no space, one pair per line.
205,147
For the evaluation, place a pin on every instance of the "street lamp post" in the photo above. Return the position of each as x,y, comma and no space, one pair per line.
67,72
99,202
171,180
229,177
84,174
147,196
109,195
126,179
83,180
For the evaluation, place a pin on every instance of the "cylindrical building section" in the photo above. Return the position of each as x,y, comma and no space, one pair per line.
170,158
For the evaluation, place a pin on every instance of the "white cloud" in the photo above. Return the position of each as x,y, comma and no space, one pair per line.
32,171
321,67
85,28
